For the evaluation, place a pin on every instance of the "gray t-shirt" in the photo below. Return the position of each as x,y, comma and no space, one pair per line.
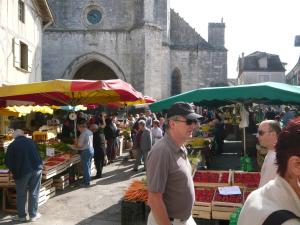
169,172
85,140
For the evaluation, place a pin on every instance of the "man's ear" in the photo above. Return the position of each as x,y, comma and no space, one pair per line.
294,165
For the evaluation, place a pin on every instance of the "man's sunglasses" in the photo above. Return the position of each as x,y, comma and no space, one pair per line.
188,121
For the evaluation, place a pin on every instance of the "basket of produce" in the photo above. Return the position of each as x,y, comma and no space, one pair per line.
203,205
246,179
224,205
133,207
208,178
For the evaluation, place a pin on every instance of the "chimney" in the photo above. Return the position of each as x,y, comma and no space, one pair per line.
216,34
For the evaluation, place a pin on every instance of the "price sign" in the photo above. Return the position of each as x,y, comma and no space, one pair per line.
50,151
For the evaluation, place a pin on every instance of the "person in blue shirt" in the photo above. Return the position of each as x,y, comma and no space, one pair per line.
287,116
24,162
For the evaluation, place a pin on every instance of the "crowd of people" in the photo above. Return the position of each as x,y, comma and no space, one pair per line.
160,146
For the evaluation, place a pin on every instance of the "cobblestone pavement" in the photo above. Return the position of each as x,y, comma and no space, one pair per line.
98,204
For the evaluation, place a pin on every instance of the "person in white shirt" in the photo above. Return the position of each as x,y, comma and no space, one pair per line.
279,199
85,146
267,135
156,131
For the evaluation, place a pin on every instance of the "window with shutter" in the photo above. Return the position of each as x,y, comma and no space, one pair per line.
17,52
24,56
21,6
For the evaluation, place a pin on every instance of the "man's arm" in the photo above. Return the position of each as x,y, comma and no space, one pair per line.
158,208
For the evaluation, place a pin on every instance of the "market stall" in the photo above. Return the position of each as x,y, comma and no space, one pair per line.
220,193
60,163
261,93
211,201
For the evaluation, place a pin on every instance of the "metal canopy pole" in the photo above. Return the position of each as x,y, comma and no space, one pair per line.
244,141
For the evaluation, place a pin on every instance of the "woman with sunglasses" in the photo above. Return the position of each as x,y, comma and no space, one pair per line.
278,202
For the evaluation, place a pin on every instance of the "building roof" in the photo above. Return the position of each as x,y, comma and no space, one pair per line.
251,63
43,10
184,37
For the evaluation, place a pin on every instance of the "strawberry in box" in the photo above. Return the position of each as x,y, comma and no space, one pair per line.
206,177
246,194
247,179
204,195
251,179
224,178
228,198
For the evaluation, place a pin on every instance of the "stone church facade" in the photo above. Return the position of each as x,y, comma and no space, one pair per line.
142,42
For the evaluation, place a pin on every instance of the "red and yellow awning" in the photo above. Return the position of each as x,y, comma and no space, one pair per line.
71,92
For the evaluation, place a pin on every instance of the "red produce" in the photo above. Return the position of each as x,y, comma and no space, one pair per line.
224,177
206,177
228,198
204,195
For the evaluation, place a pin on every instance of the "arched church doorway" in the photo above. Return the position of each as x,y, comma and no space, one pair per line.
95,70
175,82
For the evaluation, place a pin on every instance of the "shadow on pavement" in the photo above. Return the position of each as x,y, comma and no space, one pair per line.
119,175
109,216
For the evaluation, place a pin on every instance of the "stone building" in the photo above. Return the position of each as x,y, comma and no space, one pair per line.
143,42
293,77
21,26
260,67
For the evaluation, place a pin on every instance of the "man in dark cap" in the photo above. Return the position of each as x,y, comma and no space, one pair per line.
169,173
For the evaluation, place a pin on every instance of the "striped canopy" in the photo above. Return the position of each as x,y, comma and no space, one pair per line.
71,92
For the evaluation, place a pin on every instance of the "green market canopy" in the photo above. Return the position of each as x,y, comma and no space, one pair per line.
262,93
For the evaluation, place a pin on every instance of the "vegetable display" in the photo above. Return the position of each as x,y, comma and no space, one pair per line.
137,191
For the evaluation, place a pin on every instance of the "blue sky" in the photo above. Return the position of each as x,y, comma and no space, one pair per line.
251,25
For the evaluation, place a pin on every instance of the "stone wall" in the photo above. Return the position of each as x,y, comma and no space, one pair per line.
254,77
216,35
133,40
183,35
199,68
64,52
71,14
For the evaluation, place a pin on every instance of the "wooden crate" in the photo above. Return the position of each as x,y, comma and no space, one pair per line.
223,210
211,185
75,159
61,182
46,195
9,202
202,210
247,190
57,169
6,179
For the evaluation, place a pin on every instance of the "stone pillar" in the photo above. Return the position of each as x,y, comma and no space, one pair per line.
216,34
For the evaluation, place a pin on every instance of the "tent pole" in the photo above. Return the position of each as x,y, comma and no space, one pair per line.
244,141
75,129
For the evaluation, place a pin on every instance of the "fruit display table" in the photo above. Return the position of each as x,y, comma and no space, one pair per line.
201,146
54,176
210,204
